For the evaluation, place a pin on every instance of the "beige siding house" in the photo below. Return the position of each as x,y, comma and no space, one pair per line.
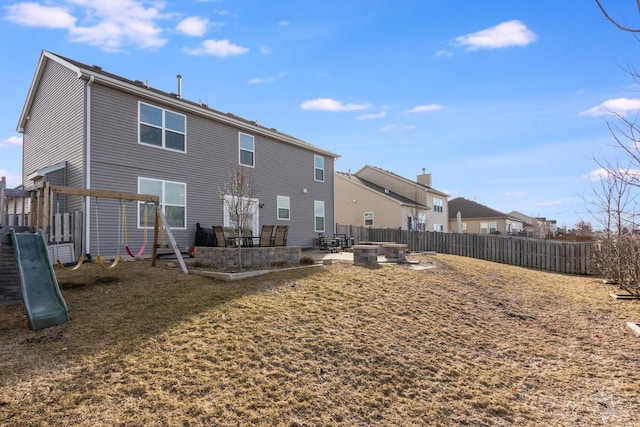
374,197
476,218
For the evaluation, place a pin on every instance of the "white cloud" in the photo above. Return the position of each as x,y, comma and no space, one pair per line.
548,203
283,23
108,24
380,115
221,48
506,34
397,128
614,106
328,104
515,193
11,141
37,15
602,174
443,54
193,26
426,108
271,79
597,175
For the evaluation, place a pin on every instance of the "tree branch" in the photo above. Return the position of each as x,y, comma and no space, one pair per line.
622,27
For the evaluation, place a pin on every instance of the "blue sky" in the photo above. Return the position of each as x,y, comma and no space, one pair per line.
501,101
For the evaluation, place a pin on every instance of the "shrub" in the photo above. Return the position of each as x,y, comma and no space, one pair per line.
279,263
307,260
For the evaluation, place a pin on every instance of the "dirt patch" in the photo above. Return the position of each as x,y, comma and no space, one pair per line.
464,342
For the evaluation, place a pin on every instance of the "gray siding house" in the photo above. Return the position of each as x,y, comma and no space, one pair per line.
86,128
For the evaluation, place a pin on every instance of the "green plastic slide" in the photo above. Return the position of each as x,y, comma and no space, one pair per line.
43,301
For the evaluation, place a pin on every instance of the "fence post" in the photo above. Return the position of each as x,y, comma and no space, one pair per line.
3,185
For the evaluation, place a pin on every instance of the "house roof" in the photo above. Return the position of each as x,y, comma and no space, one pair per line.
381,190
470,209
526,219
403,179
94,73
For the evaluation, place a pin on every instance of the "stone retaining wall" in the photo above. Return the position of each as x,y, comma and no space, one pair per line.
227,258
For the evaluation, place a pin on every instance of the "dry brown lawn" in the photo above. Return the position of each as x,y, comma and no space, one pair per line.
466,342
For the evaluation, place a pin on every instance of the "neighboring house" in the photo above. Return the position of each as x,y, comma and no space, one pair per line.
89,129
373,197
536,226
529,224
480,219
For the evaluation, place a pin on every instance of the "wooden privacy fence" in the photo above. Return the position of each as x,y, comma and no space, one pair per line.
555,256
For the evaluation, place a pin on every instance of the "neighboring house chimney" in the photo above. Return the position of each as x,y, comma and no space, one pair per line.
179,85
424,179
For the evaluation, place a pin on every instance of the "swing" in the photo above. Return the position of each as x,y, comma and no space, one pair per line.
126,237
99,258
74,268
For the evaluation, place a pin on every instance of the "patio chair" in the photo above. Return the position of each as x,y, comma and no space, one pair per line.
280,239
221,240
247,237
265,235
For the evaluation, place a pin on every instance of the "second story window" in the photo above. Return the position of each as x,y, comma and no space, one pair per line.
247,150
368,219
162,128
318,165
437,205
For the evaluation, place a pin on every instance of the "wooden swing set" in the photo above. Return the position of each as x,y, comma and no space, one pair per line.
43,198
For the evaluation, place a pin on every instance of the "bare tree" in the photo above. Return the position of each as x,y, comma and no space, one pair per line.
238,198
617,253
417,211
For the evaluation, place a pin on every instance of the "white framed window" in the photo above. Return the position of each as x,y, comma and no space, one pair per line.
318,213
438,227
438,205
246,147
318,168
488,227
247,207
368,219
162,128
464,226
173,202
422,221
284,207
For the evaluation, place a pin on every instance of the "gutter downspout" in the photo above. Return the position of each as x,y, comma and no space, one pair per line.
333,196
86,238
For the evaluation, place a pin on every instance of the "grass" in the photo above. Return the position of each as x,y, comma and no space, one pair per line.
464,343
